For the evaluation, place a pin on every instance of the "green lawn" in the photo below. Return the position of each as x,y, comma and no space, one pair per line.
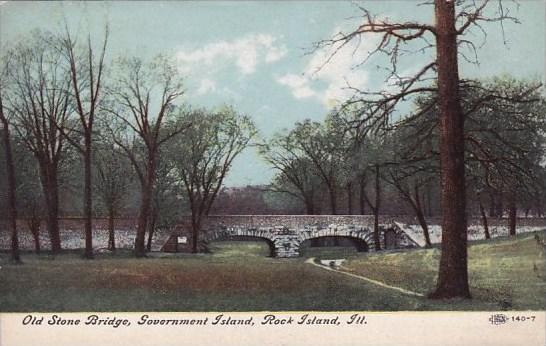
237,276
509,273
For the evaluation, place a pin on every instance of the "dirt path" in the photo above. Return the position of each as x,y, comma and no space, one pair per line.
375,282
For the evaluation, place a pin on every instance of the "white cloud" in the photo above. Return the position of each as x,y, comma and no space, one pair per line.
299,85
205,65
339,74
207,85
246,53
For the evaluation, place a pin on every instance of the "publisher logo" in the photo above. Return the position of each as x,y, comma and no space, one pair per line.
498,319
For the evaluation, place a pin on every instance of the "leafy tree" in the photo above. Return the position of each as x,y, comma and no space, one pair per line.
296,173
322,146
142,101
505,139
203,157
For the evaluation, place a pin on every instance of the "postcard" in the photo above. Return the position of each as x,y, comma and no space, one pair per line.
272,173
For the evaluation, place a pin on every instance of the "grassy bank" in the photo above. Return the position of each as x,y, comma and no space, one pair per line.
238,276
509,273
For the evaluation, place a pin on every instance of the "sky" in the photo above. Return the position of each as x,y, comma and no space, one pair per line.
258,56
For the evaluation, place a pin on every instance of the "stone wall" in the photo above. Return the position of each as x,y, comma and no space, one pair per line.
72,235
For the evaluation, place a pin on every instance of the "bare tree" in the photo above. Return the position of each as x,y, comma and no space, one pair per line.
204,155
142,101
112,183
452,19
40,102
10,167
86,74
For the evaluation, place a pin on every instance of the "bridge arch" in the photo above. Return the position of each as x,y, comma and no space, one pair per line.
359,244
284,242
361,238
244,235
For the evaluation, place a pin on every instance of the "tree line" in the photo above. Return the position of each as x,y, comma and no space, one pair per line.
120,125
504,157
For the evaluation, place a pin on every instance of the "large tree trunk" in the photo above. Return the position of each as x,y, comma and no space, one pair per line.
145,206
12,205
484,219
111,230
512,217
453,270
87,198
377,241
142,226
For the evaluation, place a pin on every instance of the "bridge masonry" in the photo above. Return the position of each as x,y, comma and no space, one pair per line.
286,243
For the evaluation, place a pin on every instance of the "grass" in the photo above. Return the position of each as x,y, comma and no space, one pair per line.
507,273
237,276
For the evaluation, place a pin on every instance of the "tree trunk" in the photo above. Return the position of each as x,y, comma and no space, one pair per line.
512,215
350,199
421,217
484,220
34,228
376,238
12,204
362,198
429,200
453,269
143,220
196,228
333,198
111,230
499,206
309,206
87,198
51,192
145,205
151,228
492,205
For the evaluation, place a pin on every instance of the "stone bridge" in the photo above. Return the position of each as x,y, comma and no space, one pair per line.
285,242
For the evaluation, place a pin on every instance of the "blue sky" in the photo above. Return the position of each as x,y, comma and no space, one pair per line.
256,55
